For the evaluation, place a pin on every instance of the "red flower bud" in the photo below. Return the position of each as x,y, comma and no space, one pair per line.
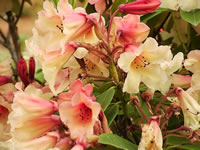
5,79
31,68
140,7
22,71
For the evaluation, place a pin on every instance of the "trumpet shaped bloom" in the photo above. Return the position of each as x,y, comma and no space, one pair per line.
151,135
52,62
79,111
144,64
32,115
129,30
140,7
190,108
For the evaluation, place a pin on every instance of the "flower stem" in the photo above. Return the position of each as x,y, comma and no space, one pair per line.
110,26
163,99
134,100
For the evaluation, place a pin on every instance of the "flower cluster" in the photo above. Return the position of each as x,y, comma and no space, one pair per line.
96,71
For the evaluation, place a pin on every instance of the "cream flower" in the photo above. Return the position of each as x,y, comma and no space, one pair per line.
185,5
144,65
192,63
190,108
151,135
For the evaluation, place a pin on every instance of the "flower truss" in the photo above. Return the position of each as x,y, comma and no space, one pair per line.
101,76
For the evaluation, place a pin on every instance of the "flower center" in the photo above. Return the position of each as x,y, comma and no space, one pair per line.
61,28
140,62
85,113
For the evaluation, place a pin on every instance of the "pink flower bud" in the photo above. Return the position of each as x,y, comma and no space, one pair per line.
140,7
5,79
22,71
31,68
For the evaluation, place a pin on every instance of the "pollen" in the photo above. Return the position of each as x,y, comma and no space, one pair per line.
140,62
61,28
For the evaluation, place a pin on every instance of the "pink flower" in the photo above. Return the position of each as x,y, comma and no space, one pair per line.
79,112
140,7
129,30
32,115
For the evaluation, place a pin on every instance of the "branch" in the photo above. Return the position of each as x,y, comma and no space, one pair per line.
20,11
14,35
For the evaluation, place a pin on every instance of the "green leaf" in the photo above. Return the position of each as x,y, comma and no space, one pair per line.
172,140
116,141
39,76
149,16
111,112
116,4
192,17
186,147
106,97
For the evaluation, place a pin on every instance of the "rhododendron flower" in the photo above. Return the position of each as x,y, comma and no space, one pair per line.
144,65
52,62
170,66
151,135
32,116
129,30
192,63
190,108
79,111
100,5
140,7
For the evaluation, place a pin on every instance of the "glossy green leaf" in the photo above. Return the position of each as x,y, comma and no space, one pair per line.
149,16
172,140
111,112
106,97
116,141
192,17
